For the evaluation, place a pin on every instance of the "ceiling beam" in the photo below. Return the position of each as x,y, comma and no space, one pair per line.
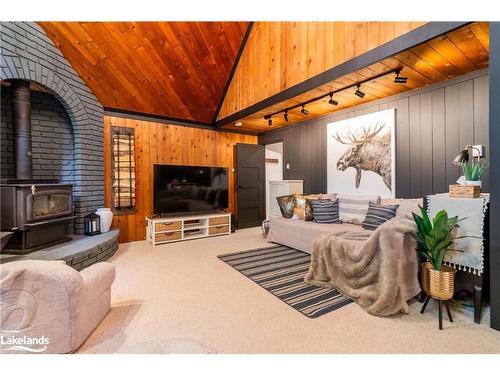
156,118
233,70
415,37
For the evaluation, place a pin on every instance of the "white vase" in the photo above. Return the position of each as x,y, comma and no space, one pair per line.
473,183
106,218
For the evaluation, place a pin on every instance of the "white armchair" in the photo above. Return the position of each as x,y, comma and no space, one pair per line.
50,300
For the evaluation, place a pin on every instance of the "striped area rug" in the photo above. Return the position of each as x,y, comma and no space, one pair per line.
281,270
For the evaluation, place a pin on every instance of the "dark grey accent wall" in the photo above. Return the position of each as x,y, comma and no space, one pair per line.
52,137
432,126
27,53
494,127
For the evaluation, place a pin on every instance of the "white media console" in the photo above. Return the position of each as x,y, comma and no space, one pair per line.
181,228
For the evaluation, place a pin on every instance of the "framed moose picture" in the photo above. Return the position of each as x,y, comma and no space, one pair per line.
362,155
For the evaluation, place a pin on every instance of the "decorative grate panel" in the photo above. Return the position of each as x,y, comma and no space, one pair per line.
123,169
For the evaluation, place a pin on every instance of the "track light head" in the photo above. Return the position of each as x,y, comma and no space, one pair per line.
332,101
358,92
304,110
400,79
270,121
286,116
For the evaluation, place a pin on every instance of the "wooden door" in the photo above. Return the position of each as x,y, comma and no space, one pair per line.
250,185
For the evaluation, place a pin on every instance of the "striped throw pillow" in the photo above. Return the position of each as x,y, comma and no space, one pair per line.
378,215
353,208
326,212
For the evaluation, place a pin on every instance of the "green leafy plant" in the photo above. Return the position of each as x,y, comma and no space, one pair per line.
434,236
474,170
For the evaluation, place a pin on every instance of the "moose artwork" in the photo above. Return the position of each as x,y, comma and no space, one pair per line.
361,155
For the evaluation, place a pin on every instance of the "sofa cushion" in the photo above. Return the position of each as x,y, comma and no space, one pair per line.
286,204
300,234
300,202
406,206
326,212
308,212
353,208
378,214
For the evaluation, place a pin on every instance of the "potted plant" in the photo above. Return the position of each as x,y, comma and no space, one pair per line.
434,238
473,171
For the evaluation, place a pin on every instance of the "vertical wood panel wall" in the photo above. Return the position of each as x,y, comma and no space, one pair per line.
432,126
157,143
279,55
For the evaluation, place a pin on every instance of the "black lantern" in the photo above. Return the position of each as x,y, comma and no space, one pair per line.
92,224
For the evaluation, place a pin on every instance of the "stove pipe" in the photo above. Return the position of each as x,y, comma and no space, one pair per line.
21,122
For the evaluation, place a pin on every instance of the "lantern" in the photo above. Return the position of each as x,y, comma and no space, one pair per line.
92,224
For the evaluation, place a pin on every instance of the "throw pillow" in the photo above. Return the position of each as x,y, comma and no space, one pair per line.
286,204
326,212
298,213
330,196
353,208
308,212
300,201
378,215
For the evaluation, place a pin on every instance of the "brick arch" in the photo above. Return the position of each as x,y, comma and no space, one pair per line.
55,85
86,116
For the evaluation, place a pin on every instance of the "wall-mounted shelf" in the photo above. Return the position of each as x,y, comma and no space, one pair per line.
181,228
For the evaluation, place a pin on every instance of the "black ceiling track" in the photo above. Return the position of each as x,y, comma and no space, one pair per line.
233,70
415,37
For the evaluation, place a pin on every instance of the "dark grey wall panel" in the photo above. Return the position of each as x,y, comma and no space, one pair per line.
432,125
439,160
494,133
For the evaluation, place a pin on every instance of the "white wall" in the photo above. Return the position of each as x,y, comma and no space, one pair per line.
274,171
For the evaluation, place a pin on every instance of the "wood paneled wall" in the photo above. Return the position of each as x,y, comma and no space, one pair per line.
157,143
432,126
279,55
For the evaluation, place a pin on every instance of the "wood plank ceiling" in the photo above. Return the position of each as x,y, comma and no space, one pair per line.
458,52
173,69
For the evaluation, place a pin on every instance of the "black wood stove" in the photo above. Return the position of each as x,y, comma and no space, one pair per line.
37,211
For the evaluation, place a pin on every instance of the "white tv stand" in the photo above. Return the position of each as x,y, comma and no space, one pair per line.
188,227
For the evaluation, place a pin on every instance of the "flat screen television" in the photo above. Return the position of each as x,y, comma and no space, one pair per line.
180,189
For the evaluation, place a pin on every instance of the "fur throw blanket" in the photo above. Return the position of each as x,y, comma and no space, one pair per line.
366,266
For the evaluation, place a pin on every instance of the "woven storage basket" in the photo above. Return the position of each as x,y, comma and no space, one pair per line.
168,236
221,229
464,191
171,225
218,220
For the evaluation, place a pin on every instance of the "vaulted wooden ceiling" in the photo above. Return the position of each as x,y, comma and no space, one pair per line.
174,69
458,52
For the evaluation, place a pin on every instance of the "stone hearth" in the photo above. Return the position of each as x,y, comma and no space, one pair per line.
80,253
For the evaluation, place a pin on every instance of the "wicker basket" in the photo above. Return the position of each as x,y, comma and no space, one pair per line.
464,191
221,229
168,236
170,225
218,220
438,284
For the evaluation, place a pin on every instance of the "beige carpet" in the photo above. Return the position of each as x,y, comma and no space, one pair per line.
179,298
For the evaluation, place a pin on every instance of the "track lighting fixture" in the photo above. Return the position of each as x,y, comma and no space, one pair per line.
400,79
238,123
332,101
358,92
